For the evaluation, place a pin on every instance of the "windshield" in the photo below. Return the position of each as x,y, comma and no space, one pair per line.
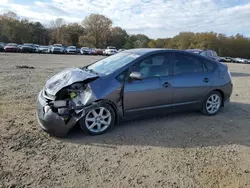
72,47
27,44
57,45
112,63
12,44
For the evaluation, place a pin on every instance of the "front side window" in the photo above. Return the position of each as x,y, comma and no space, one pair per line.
152,66
185,64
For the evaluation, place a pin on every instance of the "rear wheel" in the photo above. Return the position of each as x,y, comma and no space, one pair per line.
212,104
98,120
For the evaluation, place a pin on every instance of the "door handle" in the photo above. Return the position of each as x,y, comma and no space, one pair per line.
166,84
206,80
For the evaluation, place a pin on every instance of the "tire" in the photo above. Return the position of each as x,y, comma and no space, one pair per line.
97,118
212,104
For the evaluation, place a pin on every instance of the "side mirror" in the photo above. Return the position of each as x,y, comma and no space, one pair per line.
136,76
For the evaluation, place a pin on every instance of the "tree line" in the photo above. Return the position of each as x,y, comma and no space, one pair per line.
98,31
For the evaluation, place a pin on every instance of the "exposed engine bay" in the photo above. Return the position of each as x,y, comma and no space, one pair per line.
64,100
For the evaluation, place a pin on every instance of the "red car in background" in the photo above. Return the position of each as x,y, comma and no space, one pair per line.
96,52
11,47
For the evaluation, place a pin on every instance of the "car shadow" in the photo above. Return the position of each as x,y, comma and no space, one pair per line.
185,129
240,74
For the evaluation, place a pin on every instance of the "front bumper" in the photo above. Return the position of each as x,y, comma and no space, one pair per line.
71,52
10,50
27,50
57,51
51,116
50,121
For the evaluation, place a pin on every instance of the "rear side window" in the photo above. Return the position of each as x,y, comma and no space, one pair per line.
210,66
185,64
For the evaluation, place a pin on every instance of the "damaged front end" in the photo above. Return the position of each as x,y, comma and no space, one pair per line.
64,100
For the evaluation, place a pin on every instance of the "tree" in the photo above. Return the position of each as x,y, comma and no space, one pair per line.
98,32
72,33
183,40
87,40
151,44
98,27
58,28
118,37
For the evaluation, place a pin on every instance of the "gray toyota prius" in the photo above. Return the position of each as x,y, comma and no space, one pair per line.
129,84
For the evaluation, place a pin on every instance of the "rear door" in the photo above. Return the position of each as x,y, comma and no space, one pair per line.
191,80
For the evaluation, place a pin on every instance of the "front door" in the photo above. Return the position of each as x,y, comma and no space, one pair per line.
149,94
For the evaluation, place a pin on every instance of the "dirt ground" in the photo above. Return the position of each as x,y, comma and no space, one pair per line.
183,150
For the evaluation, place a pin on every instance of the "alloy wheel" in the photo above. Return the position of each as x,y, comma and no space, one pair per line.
98,120
213,103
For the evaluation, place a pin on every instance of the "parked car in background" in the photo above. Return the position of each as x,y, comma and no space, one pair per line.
196,51
19,46
226,59
27,48
57,49
78,50
2,44
121,50
98,52
49,49
36,48
211,54
11,47
71,50
238,60
245,61
95,51
85,51
43,49
129,84
111,50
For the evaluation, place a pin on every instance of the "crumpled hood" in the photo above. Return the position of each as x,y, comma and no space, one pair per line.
66,78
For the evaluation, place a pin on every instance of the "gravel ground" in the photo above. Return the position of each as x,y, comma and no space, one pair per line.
177,150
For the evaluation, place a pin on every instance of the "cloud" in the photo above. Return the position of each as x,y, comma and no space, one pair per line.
156,18
4,2
51,8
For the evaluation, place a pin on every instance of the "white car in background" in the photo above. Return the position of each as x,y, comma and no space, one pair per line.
71,50
111,50
85,51
57,48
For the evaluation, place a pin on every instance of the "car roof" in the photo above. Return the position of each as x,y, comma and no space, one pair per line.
152,51
142,51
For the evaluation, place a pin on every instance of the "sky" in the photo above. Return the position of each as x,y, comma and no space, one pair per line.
155,18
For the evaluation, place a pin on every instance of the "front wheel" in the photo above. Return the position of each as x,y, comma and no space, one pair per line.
212,104
98,120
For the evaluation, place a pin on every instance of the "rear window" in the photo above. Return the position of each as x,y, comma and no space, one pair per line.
215,54
210,66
